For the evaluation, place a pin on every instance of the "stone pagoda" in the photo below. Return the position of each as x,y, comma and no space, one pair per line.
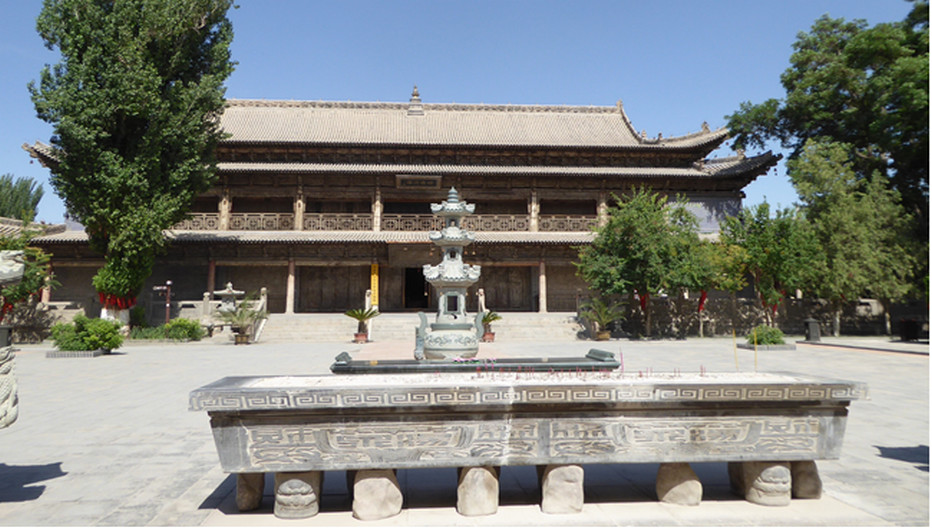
453,335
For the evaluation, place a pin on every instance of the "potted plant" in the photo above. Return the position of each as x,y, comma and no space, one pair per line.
242,319
601,315
488,318
362,316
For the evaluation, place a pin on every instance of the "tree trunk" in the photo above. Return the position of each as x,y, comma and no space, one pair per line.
836,321
647,313
887,327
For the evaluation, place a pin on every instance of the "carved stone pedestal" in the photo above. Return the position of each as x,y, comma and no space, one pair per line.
677,483
249,489
561,489
376,494
477,491
297,494
806,481
764,483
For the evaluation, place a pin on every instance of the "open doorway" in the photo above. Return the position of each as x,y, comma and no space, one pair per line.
416,289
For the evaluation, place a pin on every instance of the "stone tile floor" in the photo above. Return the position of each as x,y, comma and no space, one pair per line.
109,441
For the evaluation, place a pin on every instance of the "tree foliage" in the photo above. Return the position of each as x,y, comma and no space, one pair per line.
861,226
19,197
865,87
134,104
781,252
37,272
645,246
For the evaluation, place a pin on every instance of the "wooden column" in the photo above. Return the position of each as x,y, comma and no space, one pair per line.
225,208
602,209
534,211
374,284
211,276
289,288
542,287
377,211
299,210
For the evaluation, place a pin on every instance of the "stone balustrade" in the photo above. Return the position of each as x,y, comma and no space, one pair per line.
567,222
337,222
389,222
770,428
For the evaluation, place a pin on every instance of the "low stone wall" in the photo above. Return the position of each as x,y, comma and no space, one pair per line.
769,426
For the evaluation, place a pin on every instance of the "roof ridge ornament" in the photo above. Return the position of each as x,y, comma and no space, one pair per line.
415,108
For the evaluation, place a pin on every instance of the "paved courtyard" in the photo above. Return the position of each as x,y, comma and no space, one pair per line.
109,441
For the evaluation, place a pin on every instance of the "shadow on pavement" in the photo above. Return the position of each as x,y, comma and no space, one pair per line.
918,455
15,480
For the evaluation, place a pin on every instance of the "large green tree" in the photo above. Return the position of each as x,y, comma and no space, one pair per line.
644,247
780,251
866,87
134,103
19,197
861,227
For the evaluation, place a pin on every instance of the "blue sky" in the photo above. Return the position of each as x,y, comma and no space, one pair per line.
673,63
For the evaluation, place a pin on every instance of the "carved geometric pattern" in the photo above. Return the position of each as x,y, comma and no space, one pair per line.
425,442
410,222
199,222
337,222
566,222
261,221
327,395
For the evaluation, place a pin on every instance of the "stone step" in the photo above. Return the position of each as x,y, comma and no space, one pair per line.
401,326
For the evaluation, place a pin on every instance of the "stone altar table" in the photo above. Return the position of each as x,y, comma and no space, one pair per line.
769,427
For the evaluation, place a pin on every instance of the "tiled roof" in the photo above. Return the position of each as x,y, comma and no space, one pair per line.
357,168
359,123
325,237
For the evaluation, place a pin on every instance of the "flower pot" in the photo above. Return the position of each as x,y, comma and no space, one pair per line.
488,337
603,335
360,337
241,339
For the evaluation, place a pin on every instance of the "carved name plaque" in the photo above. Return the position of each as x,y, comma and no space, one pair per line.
302,423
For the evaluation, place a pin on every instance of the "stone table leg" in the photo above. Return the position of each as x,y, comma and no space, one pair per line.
806,481
376,494
249,489
677,483
297,494
561,489
764,483
477,491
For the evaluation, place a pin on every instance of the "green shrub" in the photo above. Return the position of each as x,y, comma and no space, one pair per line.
87,334
66,338
177,329
147,332
765,335
184,330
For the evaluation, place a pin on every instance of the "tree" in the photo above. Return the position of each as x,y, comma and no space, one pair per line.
728,265
644,247
19,198
134,103
864,87
782,252
37,273
861,227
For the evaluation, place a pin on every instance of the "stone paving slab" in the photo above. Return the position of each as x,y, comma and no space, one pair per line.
109,441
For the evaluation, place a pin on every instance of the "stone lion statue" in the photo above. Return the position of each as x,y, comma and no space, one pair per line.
11,271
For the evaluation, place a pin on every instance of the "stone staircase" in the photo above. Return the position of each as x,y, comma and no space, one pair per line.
338,328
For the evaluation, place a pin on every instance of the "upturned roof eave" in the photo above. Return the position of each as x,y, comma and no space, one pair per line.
699,148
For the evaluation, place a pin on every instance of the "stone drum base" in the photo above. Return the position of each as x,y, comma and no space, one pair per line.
376,494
